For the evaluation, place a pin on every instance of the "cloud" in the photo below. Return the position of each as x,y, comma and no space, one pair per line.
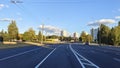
117,17
3,5
101,21
6,19
10,19
50,29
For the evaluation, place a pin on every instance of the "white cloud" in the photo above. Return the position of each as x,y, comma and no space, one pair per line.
6,19
101,21
3,5
117,17
50,29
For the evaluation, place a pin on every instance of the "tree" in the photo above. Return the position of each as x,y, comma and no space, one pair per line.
52,37
103,34
13,30
39,36
89,38
83,37
111,37
5,35
26,36
29,35
115,36
119,23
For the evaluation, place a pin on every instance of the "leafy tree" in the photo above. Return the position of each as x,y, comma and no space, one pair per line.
80,38
44,38
89,38
29,35
62,38
26,36
52,37
119,23
13,30
103,34
83,36
5,35
39,36
111,37
20,36
115,35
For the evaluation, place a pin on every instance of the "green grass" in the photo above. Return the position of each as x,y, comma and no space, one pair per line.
5,46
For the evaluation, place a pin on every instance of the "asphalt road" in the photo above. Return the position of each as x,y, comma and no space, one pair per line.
61,56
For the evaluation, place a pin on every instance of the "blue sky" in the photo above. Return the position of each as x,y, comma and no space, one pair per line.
69,15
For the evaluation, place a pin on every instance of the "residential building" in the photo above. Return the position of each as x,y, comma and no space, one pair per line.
76,35
94,33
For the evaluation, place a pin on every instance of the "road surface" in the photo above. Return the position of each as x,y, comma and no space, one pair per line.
61,56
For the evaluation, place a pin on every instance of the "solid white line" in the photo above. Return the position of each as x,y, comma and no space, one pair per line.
37,66
18,54
76,56
116,59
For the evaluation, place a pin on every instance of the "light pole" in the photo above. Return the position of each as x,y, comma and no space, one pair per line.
100,34
42,30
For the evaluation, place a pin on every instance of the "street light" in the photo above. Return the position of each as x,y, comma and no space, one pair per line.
100,34
42,30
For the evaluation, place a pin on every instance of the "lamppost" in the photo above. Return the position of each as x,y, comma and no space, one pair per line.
42,30
99,34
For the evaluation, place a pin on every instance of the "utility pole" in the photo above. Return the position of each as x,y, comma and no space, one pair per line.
42,30
100,34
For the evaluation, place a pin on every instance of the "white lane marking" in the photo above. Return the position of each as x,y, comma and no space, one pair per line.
82,58
77,57
87,60
38,65
116,59
18,54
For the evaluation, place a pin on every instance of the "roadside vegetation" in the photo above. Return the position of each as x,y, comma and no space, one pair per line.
5,46
106,35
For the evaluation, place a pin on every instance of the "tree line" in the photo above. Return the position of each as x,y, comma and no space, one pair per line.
12,34
84,37
107,35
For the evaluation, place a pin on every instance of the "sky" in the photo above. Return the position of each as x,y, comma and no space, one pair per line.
56,15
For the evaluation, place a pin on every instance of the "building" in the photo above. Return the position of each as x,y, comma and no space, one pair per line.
94,33
75,35
64,33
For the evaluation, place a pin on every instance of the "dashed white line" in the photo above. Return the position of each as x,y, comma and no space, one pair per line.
18,54
92,64
38,65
